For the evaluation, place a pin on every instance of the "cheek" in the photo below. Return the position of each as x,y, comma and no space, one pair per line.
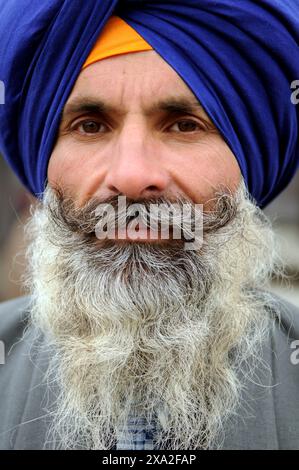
59,168
67,167
211,168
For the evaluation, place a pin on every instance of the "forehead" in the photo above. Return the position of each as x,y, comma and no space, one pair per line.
144,75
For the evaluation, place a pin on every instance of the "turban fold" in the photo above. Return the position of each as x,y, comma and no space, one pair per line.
238,58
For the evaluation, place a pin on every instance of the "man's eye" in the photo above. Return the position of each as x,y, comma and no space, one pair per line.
88,127
186,125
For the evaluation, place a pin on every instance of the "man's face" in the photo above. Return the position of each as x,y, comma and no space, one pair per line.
126,131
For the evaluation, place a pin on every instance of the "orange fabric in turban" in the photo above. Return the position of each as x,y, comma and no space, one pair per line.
117,37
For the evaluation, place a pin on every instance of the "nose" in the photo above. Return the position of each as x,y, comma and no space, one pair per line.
136,169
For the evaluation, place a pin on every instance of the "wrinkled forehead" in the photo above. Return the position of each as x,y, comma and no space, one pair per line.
142,81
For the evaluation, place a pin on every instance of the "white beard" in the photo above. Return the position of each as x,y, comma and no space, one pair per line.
148,331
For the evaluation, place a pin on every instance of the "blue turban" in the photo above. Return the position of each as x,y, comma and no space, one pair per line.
239,58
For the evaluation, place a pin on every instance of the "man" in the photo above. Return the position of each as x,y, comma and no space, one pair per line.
132,341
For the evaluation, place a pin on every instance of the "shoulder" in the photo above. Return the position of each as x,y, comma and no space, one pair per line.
287,318
268,417
13,307
13,319
280,397
21,377
284,340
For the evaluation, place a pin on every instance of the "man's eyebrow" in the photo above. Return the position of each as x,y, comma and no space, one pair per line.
87,105
176,105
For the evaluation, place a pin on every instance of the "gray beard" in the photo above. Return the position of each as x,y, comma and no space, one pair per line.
148,331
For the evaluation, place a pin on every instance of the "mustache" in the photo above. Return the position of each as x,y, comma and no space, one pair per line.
84,220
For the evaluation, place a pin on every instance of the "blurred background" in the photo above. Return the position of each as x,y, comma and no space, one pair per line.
15,203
